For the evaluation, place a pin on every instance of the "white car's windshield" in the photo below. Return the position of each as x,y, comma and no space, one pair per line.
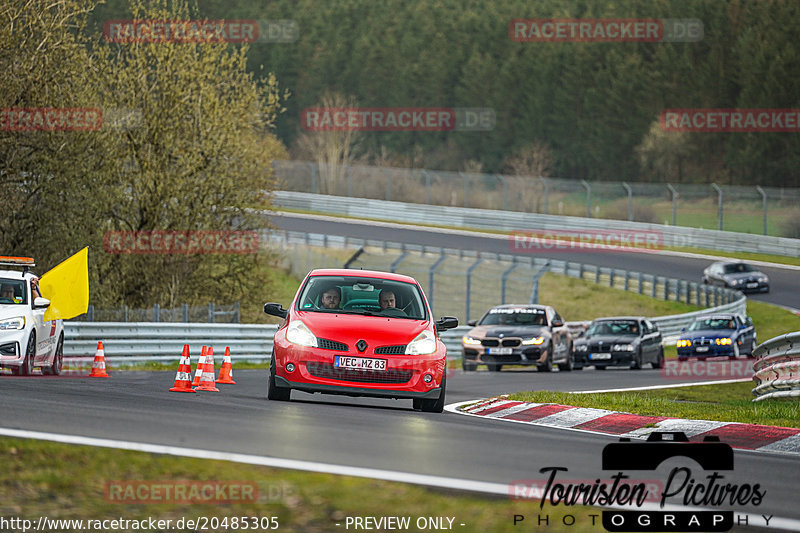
362,295
12,291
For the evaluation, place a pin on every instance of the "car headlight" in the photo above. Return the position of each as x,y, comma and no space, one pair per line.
622,348
582,347
470,341
423,344
683,343
18,322
724,341
298,333
763,279
535,341
736,282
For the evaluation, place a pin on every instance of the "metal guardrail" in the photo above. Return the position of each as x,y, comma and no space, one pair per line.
160,341
185,313
777,368
462,217
646,202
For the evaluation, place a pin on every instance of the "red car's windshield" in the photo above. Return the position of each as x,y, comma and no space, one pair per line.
362,295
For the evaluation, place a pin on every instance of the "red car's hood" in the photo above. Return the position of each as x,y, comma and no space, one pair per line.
375,330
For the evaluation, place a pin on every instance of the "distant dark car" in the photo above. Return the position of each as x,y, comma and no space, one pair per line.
631,341
718,335
736,275
518,335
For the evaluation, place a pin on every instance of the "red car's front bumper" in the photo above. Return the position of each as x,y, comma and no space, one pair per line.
404,376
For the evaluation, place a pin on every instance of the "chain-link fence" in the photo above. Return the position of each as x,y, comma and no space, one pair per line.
212,313
466,283
759,210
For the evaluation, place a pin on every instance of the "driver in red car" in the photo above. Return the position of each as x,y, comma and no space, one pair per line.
386,300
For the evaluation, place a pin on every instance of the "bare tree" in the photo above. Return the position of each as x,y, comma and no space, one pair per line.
527,165
333,151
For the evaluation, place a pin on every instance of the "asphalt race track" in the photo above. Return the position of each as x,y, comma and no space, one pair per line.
357,432
784,290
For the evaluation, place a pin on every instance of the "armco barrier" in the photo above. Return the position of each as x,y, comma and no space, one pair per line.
463,217
777,368
159,341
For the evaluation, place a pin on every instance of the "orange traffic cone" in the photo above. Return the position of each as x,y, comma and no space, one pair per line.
200,364
207,379
183,379
226,372
99,363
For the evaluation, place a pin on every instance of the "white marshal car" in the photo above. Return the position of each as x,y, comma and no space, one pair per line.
26,339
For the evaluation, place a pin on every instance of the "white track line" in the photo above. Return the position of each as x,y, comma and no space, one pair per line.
311,466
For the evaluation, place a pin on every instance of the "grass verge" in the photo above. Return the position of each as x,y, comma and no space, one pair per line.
728,402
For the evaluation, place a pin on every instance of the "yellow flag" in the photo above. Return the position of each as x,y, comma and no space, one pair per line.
67,287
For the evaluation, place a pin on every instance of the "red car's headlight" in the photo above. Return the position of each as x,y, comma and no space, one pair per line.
298,333
423,344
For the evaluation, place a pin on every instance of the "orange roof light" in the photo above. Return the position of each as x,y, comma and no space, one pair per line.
8,260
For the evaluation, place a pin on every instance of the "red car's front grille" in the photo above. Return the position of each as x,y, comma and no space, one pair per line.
326,370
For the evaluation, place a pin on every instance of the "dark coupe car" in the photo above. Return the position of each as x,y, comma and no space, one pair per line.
518,335
718,335
630,341
736,275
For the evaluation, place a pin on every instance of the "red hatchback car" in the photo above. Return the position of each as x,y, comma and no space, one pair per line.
360,333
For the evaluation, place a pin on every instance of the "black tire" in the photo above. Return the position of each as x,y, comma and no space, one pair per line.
547,366
659,362
735,352
26,368
468,367
636,360
273,391
753,345
599,367
58,359
437,405
417,403
569,365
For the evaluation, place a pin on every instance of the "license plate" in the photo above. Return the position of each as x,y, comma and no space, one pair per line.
752,285
360,363
596,356
501,351
701,349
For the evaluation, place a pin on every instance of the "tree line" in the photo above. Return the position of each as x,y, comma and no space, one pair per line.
157,142
594,106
